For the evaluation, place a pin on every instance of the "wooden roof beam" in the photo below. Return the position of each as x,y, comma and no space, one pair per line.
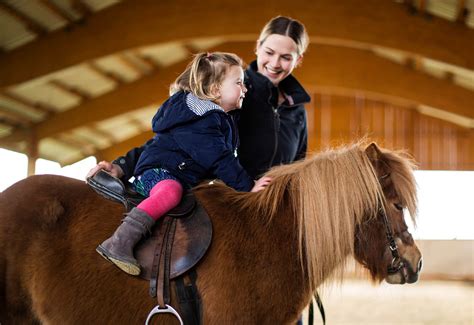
109,75
12,119
462,12
71,90
119,149
32,25
34,106
133,24
133,65
324,66
147,90
58,11
82,7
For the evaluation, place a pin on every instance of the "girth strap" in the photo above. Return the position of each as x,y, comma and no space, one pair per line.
188,298
160,281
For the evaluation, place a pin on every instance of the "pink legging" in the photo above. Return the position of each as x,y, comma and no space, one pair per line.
164,196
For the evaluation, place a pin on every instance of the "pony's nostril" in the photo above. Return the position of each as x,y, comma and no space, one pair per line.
420,265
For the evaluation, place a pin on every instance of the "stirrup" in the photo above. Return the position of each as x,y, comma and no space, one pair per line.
167,310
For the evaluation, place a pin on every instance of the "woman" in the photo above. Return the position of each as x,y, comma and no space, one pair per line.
272,121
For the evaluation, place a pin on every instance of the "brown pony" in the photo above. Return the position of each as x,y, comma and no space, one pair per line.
270,249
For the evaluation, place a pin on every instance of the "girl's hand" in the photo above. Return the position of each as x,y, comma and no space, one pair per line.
112,169
261,184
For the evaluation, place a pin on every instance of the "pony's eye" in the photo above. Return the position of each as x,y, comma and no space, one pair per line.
398,206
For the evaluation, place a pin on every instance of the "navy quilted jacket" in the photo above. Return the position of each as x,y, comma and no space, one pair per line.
194,140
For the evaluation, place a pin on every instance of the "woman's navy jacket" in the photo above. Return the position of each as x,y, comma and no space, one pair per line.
194,140
271,134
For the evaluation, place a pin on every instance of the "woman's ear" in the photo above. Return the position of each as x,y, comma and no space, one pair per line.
257,46
299,60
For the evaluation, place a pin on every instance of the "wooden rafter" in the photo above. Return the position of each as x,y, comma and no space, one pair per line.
462,12
121,148
34,106
17,116
84,147
325,66
138,124
71,90
190,48
414,62
58,11
133,24
102,133
126,60
109,75
148,60
81,7
29,22
12,119
422,6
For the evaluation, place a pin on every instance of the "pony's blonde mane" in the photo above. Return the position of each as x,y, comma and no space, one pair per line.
330,194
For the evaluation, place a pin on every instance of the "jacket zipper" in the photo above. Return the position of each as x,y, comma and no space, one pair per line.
276,127
275,119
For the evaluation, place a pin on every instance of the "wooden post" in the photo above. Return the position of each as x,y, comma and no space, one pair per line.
32,152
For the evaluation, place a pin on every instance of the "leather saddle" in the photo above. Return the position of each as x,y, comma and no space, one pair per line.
190,240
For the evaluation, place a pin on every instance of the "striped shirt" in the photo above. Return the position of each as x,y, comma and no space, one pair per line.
201,106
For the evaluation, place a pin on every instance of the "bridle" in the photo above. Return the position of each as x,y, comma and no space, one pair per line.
397,263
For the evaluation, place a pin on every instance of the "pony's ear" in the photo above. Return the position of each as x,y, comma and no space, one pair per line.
373,152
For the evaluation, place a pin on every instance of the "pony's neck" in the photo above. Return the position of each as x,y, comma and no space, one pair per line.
255,251
326,196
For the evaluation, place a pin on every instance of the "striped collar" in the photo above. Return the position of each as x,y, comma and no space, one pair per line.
201,106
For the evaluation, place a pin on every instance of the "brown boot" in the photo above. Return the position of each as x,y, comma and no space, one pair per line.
118,249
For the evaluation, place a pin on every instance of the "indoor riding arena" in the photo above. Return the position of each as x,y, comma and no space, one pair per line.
81,81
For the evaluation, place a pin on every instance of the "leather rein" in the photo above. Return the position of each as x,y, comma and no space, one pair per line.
397,263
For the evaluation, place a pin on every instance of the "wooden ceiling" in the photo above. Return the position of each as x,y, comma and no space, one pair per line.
91,86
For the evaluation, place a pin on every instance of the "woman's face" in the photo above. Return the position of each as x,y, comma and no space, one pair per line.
277,56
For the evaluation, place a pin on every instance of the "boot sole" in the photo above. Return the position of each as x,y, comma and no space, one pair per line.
127,267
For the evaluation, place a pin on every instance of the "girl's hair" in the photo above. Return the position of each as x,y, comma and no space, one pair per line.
286,26
205,72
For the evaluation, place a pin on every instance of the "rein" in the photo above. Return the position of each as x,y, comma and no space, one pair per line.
397,263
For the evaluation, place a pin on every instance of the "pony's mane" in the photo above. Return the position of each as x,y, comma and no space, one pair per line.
330,194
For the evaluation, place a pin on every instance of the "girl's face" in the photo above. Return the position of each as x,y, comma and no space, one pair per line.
277,56
232,90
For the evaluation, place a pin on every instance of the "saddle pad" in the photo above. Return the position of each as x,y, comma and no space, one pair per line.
192,239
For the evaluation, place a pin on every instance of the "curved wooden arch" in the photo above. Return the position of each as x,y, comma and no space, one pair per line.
132,24
324,66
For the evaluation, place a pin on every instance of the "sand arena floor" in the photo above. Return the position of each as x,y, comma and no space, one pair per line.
426,302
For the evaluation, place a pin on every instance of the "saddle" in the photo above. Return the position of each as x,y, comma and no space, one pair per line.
177,243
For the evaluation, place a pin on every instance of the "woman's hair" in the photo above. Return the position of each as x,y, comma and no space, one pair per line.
286,26
204,73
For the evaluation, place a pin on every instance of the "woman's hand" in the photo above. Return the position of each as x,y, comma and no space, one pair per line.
261,184
112,169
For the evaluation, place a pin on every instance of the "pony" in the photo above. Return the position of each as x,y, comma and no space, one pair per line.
270,250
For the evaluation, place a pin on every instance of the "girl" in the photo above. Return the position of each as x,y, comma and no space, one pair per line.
195,140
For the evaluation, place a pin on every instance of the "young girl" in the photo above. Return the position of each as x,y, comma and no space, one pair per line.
195,140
